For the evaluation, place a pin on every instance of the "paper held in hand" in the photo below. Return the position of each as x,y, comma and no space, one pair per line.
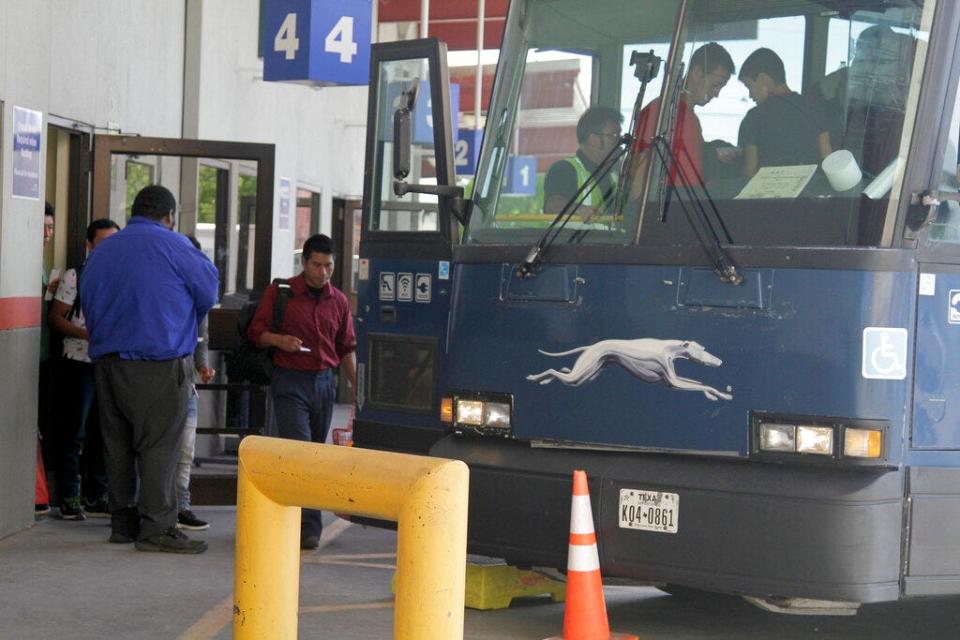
778,182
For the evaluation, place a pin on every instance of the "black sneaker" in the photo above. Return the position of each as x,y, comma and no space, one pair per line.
309,542
171,541
186,520
40,510
70,509
98,509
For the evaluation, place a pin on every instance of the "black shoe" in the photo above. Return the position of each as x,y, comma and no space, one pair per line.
70,509
309,542
121,538
40,510
98,509
171,541
186,520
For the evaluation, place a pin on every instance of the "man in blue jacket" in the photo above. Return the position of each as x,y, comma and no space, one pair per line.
142,293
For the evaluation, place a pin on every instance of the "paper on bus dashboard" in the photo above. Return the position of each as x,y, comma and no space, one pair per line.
778,182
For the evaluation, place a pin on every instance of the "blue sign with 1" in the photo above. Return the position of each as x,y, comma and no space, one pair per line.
521,175
317,40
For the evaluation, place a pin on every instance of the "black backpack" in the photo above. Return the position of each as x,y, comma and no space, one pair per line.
251,362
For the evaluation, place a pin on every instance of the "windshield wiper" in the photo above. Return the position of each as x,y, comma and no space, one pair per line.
705,231
535,256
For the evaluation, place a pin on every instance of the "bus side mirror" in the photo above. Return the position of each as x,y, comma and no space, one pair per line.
402,128
402,141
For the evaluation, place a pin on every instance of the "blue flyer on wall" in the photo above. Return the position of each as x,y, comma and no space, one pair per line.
27,127
283,217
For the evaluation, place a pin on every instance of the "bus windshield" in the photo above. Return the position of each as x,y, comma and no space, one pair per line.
773,123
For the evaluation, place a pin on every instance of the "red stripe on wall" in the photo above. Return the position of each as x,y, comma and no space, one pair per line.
19,313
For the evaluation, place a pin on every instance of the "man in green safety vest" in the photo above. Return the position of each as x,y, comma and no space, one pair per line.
598,131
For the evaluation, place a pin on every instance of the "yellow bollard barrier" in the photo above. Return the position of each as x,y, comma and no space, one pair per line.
427,497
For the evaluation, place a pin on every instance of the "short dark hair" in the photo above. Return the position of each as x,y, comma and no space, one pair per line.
193,240
153,202
593,120
48,210
763,60
711,56
317,243
97,225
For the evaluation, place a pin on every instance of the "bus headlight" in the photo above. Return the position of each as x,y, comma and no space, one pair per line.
497,415
470,412
486,413
815,440
778,437
851,442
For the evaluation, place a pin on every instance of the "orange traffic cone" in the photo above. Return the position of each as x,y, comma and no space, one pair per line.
585,615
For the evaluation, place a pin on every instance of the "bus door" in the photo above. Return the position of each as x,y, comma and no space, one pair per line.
932,566
405,279
936,410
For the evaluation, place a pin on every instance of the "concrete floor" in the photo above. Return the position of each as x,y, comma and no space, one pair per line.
63,580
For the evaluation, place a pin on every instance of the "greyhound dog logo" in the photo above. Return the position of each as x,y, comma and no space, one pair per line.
649,359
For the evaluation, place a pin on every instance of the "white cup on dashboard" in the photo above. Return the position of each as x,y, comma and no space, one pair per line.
842,170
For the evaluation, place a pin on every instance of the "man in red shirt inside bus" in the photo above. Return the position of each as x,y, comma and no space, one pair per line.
710,68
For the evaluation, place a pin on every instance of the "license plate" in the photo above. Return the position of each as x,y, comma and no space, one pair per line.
649,510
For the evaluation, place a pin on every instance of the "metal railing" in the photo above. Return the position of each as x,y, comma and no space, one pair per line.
427,497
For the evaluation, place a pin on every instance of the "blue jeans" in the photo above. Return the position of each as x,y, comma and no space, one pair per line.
303,407
187,446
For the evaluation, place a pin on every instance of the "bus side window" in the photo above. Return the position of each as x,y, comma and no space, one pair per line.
946,226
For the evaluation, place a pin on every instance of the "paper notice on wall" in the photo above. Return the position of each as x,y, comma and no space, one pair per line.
27,129
778,182
283,213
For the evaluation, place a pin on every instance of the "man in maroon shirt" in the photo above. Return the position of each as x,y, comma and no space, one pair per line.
315,336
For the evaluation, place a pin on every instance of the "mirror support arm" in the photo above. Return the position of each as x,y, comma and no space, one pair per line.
454,193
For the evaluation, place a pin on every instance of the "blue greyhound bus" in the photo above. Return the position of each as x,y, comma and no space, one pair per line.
754,371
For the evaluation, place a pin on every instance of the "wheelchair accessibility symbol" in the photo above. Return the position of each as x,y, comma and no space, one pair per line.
884,353
953,313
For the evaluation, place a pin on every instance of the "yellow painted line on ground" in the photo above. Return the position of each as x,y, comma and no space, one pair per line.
360,556
221,615
212,622
357,606
352,563
355,560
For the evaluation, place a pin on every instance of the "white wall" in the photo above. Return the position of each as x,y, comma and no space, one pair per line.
96,62
319,133
92,61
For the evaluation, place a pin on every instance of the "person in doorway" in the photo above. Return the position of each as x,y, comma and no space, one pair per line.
79,429
598,131
142,292
710,69
784,128
316,335
48,287
203,373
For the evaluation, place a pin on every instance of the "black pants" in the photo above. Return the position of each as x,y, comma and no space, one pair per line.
78,429
143,404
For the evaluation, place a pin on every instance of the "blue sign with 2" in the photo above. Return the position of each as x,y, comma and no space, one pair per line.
467,150
317,40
